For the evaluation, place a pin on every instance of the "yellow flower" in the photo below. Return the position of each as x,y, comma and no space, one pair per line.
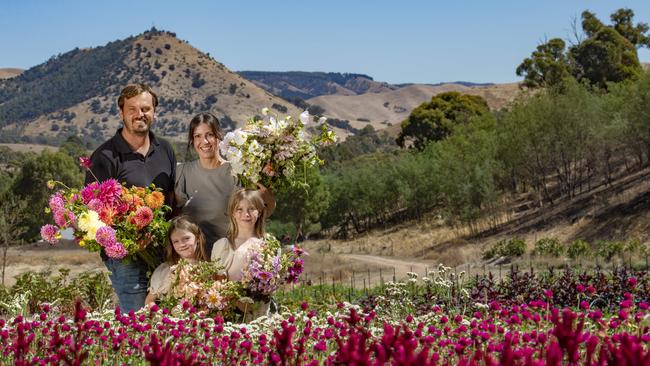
90,223
82,243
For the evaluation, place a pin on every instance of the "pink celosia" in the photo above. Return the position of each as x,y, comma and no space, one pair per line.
50,233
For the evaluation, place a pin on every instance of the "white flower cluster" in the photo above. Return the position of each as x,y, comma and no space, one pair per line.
270,151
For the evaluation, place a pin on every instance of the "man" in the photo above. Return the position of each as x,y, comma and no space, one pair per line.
134,156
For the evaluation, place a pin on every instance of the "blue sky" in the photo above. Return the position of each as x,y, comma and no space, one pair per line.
394,41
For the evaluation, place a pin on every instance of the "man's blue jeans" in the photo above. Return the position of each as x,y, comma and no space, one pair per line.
129,279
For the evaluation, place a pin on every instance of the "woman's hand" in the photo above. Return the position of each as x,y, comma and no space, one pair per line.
268,197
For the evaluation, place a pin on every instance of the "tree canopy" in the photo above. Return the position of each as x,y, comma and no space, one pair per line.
434,120
608,53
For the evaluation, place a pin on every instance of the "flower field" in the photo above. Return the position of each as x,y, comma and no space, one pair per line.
553,318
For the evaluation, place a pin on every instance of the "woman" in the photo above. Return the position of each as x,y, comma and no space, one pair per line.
204,186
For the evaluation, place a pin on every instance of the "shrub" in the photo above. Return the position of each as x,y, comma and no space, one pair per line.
609,249
548,246
515,247
579,248
279,107
197,81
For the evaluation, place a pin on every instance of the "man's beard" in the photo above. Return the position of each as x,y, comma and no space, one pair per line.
140,131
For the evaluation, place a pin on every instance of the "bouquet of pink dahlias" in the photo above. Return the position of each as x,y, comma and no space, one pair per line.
108,216
268,267
204,286
274,152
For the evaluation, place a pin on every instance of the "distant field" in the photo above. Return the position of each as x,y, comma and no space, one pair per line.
29,147
9,72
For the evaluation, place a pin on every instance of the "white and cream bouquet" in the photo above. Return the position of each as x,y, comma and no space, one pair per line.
274,152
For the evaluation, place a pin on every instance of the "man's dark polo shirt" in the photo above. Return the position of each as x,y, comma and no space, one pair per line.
114,159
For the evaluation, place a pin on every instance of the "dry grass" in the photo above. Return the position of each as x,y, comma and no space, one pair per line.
39,259
23,148
6,73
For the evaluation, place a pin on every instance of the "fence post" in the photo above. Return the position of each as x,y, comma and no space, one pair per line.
394,280
368,277
381,278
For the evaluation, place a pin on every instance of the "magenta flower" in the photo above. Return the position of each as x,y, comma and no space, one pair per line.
105,236
95,204
109,191
631,282
56,202
89,192
85,162
50,233
116,251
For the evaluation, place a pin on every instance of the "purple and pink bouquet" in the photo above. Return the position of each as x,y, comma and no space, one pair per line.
268,267
109,216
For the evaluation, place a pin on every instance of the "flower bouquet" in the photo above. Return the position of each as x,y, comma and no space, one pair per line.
124,222
202,285
274,152
268,267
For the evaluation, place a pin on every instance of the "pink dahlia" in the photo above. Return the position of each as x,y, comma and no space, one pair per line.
61,218
105,236
89,192
95,204
116,251
109,191
85,162
56,202
50,233
143,216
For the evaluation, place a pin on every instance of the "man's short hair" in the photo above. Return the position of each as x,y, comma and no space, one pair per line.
132,90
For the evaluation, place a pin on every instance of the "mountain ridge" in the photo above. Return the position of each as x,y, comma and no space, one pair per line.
75,93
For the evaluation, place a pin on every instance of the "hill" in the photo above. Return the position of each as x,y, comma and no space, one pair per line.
294,85
7,73
389,108
75,93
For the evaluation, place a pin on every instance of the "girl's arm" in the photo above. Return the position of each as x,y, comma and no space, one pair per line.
150,299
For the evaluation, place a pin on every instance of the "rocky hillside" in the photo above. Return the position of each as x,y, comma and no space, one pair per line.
76,92
295,85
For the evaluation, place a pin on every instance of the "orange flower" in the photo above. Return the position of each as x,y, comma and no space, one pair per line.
268,170
106,215
142,217
140,191
154,200
133,200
